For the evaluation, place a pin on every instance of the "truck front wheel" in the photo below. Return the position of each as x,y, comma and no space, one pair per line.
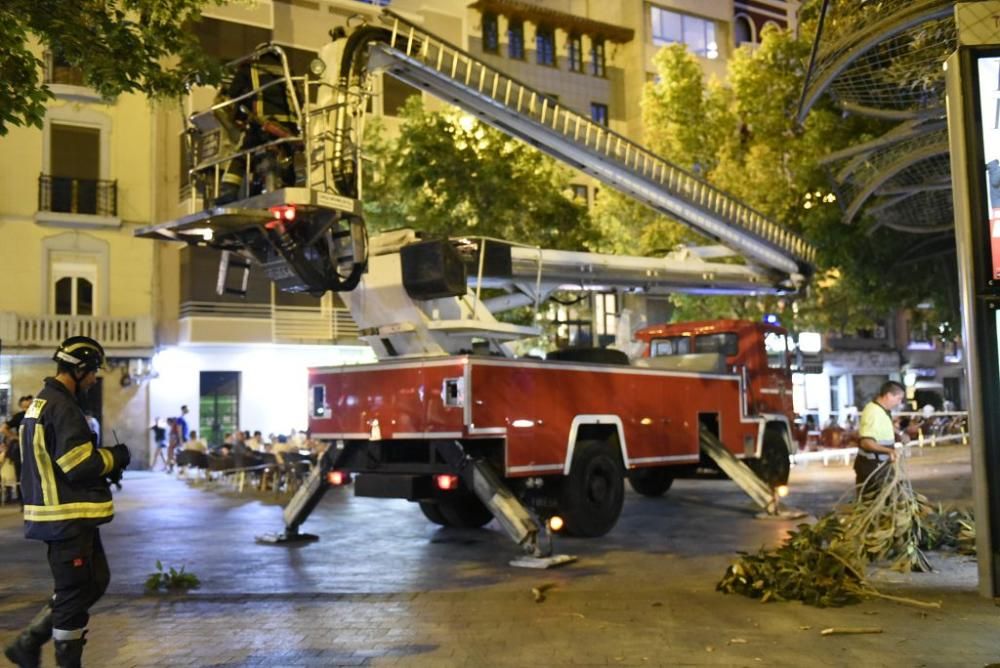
654,481
592,494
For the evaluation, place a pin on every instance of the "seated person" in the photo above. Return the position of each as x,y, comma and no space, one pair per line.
195,444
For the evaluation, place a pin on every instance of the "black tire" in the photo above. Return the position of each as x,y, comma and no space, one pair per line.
592,495
653,481
773,466
432,511
464,511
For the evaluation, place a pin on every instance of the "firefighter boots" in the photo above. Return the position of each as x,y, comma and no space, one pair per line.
69,653
25,651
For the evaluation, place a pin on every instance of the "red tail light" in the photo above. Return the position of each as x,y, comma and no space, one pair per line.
446,483
337,478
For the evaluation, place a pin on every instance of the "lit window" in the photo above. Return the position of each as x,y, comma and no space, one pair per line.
545,46
671,27
515,40
491,33
574,52
599,113
597,57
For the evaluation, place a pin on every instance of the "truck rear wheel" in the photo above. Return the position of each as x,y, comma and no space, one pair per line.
653,481
773,465
464,511
432,511
593,493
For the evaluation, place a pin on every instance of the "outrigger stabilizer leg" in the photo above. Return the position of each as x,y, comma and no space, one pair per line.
519,523
303,502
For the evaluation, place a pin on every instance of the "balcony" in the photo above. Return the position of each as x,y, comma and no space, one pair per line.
63,200
121,337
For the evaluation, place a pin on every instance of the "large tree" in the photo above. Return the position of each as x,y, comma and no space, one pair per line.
447,174
120,46
741,135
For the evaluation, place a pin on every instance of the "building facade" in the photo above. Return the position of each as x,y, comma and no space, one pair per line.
97,171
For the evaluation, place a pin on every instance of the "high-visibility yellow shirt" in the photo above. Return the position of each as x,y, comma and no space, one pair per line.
876,424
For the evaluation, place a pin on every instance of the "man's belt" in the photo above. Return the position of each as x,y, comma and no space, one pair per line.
877,456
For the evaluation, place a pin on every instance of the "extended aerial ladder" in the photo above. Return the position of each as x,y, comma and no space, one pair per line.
310,236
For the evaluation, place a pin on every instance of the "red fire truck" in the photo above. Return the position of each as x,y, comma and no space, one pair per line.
450,417
564,432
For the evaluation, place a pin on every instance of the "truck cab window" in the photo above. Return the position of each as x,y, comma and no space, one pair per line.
726,343
776,347
675,345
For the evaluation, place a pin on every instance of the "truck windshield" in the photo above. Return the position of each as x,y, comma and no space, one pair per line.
675,345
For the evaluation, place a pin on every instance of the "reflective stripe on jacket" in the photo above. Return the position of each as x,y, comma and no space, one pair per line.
63,473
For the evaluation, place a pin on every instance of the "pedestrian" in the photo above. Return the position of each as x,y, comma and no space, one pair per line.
173,442
159,443
9,430
66,483
182,425
876,447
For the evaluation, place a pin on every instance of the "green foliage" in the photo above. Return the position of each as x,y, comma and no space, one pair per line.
121,46
824,564
743,138
447,175
171,579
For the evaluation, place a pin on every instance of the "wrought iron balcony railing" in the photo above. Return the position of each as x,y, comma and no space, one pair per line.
96,197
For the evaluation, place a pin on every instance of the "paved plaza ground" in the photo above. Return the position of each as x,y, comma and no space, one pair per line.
385,587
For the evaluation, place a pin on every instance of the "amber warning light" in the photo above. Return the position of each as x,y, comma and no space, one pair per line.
337,478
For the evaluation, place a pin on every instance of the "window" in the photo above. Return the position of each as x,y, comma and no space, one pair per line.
674,345
776,348
597,57
599,113
574,53
698,34
73,281
726,343
60,71
606,317
515,40
742,31
72,184
491,33
545,46
579,192
395,93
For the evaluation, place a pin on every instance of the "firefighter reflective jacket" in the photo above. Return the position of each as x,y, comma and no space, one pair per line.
63,473
272,100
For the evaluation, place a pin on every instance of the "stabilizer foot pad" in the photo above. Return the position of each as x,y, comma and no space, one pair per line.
285,538
784,514
543,562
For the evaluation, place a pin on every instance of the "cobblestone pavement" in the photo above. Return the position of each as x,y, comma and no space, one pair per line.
384,587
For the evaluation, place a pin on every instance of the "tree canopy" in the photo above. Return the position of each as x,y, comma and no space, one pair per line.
741,136
447,174
121,46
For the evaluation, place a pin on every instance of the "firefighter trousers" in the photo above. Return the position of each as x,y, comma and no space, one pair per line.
80,571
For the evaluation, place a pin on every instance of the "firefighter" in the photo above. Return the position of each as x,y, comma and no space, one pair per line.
256,120
65,481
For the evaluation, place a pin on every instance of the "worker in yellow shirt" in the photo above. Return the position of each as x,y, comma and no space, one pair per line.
877,436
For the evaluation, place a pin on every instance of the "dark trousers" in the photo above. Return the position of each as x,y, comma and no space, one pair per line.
870,473
80,570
